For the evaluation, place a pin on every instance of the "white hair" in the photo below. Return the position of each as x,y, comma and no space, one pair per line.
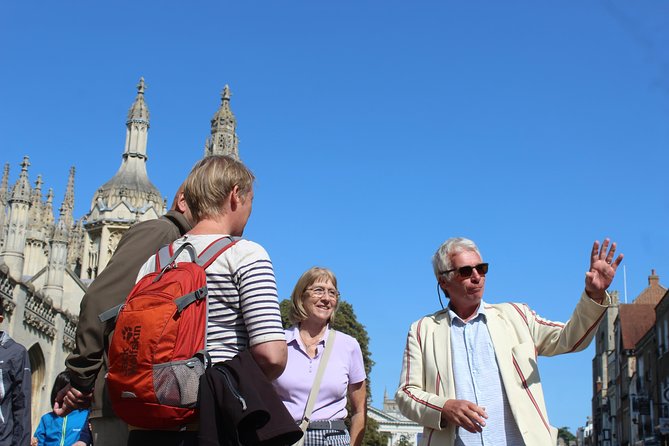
441,260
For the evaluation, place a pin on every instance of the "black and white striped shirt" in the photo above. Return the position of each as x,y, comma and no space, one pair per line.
243,299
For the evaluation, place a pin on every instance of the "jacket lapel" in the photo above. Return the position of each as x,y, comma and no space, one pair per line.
441,341
499,333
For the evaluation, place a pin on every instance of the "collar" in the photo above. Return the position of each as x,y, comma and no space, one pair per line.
479,314
4,338
293,335
179,220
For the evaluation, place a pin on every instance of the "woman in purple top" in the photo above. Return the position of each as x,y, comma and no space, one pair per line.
313,305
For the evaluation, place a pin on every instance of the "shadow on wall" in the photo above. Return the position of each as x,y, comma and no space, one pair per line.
37,391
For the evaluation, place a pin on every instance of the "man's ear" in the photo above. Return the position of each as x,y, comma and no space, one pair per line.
442,284
235,198
181,203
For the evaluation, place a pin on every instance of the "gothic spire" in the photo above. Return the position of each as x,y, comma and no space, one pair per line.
21,190
139,111
223,139
130,185
48,209
19,208
4,196
35,219
37,191
4,191
68,202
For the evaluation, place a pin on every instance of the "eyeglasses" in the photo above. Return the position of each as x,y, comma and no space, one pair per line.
466,271
319,291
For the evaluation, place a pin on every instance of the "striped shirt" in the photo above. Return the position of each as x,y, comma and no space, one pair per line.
243,299
477,379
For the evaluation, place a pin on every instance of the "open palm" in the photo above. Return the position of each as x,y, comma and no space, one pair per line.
602,269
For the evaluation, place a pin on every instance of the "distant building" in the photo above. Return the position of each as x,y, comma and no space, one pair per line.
46,263
395,425
626,376
601,424
661,423
584,434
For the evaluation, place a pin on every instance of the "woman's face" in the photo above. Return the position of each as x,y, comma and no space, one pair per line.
320,301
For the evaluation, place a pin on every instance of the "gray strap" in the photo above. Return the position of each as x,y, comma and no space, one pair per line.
214,249
187,299
317,380
163,257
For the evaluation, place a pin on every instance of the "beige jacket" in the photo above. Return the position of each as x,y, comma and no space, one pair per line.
518,335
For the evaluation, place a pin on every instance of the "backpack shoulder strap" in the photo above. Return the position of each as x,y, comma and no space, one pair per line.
215,249
166,255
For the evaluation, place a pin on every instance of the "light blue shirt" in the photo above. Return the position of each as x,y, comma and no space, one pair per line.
477,379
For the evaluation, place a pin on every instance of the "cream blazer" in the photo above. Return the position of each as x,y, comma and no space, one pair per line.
518,335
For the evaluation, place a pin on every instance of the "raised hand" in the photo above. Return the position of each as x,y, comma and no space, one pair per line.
602,270
464,414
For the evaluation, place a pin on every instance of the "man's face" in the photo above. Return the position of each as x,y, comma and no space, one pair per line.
464,292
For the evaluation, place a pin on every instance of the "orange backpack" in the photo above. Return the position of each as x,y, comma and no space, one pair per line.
157,352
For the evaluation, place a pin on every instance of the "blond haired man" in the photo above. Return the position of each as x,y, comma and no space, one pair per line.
242,295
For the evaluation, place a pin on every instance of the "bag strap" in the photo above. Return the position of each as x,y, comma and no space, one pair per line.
317,380
215,249
165,256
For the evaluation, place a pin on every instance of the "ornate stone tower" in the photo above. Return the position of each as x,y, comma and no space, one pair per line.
4,197
19,208
58,241
127,198
223,139
40,223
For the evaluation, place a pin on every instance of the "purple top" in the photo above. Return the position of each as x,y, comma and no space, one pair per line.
344,367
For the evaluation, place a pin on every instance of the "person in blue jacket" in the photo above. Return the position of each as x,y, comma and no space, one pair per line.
60,431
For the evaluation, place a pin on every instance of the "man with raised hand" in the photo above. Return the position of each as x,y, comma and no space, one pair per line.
469,373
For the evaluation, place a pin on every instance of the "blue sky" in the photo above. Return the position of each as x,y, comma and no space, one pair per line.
377,130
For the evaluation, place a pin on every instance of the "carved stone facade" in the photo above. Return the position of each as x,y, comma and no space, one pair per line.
32,319
46,264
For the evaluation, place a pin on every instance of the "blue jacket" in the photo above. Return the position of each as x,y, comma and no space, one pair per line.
56,431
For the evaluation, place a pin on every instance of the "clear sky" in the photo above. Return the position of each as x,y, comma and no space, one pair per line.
377,129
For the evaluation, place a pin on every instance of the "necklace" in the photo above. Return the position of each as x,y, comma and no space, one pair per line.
313,343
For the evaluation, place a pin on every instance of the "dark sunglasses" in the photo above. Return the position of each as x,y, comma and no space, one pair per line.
466,271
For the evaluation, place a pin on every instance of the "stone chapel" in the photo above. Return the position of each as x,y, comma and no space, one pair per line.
48,259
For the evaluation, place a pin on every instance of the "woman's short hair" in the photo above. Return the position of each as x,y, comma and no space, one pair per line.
59,383
441,260
211,181
297,313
